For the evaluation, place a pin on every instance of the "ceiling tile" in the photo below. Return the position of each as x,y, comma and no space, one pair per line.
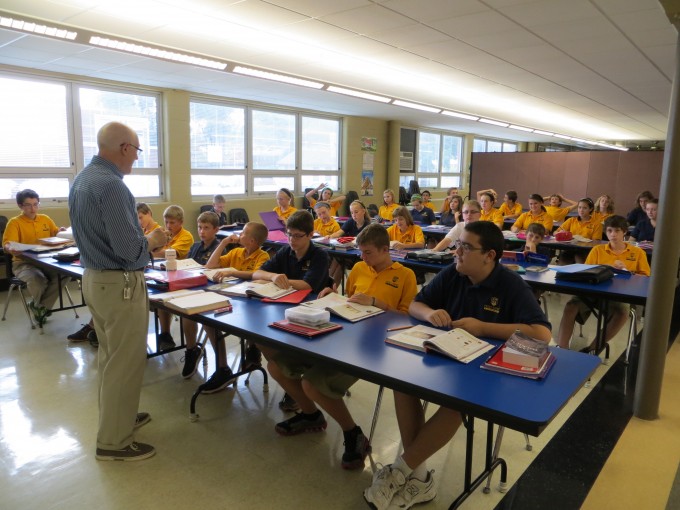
319,8
367,20
432,10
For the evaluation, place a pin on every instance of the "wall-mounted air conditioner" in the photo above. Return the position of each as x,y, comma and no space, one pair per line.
406,162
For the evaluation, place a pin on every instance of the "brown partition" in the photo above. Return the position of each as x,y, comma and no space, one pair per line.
576,174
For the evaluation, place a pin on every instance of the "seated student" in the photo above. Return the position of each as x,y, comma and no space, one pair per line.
208,226
604,208
584,225
453,215
284,207
27,228
427,199
181,239
638,213
487,198
325,195
535,214
404,234
486,299
510,208
471,212
389,205
535,234
375,281
359,220
555,208
145,217
300,265
420,213
645,229
218,208
239,262
449,193
324,225
615,253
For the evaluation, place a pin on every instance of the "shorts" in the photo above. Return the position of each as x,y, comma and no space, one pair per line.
331,383
584,310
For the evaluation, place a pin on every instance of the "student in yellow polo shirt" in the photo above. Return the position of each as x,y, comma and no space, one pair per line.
239,262
377,281
324,224
616,253
510,208
325,195
555,208
181,239
284,204
404,232
389,205
487,199
145,217
28,228
535,214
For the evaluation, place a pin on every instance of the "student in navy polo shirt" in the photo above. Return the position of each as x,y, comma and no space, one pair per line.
420,213
486,299
300,265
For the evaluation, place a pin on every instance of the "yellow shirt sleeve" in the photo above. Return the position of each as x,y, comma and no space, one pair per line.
284,215
182,243
396,285
326,229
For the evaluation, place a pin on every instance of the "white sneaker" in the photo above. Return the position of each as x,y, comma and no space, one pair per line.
414,492
386,483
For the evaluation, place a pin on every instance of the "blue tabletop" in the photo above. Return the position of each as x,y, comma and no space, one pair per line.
359,349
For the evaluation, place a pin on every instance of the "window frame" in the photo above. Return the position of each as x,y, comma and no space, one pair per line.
440,173
251,173
75,137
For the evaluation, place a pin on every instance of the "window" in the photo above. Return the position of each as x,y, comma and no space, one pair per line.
139,112
438,161
485,145
240,150
46,154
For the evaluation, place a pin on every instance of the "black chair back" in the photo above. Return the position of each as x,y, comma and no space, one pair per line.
413,189
206,208
403,197
350,197
238,215
372,210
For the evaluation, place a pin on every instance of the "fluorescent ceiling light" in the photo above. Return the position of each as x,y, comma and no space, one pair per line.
459,115
562,136
37,28
581,140
520,128
356,93
148,51
257,73
539,132
416,106
494,122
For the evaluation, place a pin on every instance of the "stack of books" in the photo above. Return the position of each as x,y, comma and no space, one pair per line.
523,356
338,305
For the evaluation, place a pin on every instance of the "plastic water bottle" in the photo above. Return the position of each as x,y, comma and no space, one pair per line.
170,260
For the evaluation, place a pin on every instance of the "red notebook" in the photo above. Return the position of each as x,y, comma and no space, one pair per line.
177,280
295,298
308,331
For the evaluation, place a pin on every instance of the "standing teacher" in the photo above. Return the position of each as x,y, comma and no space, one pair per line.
114,252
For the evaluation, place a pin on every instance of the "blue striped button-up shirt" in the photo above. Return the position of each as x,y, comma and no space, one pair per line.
104,219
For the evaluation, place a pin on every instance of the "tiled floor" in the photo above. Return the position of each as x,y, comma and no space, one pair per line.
230,458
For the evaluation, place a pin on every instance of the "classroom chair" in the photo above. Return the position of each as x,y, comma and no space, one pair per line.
305,201
632,330
20,285
350,197
238,215
206,208
403,196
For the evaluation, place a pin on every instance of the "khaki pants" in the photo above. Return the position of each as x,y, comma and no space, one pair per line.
121,326
42,284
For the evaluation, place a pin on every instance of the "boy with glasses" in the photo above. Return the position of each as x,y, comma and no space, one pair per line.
300,265
487,300
28,228
472,211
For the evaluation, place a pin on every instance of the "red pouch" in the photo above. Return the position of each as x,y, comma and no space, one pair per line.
563,236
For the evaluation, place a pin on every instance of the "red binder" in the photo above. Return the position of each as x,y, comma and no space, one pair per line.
178,280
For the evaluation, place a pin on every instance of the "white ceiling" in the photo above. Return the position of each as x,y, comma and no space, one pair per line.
595,69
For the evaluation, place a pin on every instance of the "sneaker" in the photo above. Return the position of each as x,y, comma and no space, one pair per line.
222,378
92,338
414,492
165,341
133,451
142,419
40,313
386,483
81,334
301,423
357,448
191,359
288,405
253,358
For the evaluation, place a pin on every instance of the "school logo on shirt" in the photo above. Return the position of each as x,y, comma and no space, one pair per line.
492,306
394,283
305,265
